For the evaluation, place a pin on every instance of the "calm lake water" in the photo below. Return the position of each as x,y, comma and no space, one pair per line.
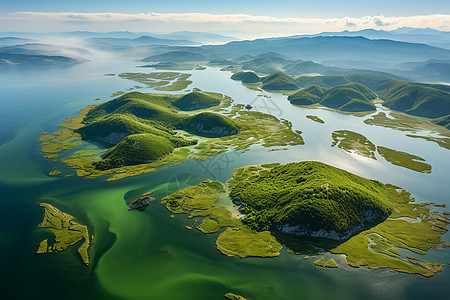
127,261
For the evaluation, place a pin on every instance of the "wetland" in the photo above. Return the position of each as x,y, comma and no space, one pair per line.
214,257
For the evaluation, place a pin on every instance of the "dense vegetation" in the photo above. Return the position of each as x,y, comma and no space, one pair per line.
142,126
308,96
212,124
431,101
443,121
419,99
347,97
246,77
264,64
311,195
135,149
279,81
195,100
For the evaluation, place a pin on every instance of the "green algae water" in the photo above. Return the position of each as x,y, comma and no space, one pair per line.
127,257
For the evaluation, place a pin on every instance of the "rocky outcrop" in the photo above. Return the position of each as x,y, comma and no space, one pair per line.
302,230
369,216
140,202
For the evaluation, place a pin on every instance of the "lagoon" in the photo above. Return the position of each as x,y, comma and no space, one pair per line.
126,257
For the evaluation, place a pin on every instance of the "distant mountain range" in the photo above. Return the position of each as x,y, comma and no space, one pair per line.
406,52
191,36
119,43
356,52
428,36
197,37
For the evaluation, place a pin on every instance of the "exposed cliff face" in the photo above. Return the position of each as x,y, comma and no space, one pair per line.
332,235
369,215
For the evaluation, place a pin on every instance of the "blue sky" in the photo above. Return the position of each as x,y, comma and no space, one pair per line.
275,17
277,8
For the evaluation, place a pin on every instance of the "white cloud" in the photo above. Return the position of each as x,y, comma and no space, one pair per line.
256,25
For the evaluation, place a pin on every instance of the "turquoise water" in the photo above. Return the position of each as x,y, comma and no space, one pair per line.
127,261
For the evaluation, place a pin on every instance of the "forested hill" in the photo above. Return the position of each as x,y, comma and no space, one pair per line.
310,198
353,92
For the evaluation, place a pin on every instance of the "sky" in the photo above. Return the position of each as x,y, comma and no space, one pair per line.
235,17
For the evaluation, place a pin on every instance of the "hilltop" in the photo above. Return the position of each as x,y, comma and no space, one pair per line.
353,92
246,77
279,81
141,127
195,100
312,199
351,97
211,124
135,149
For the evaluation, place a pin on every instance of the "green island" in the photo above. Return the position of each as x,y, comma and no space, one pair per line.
118,93
326,264
353,142
152,126
231,296
245,242
404,159
310,199
350,97
315,119
66,232
311,205
160,81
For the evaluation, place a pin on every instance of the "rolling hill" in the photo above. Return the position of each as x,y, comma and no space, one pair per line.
246,77
311,199
279,81
351,97
195,100
141,127
419,99
210,124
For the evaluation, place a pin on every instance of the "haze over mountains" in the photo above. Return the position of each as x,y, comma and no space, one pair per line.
428,36
415,54
354,49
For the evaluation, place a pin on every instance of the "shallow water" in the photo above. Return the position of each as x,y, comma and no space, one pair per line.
127,261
